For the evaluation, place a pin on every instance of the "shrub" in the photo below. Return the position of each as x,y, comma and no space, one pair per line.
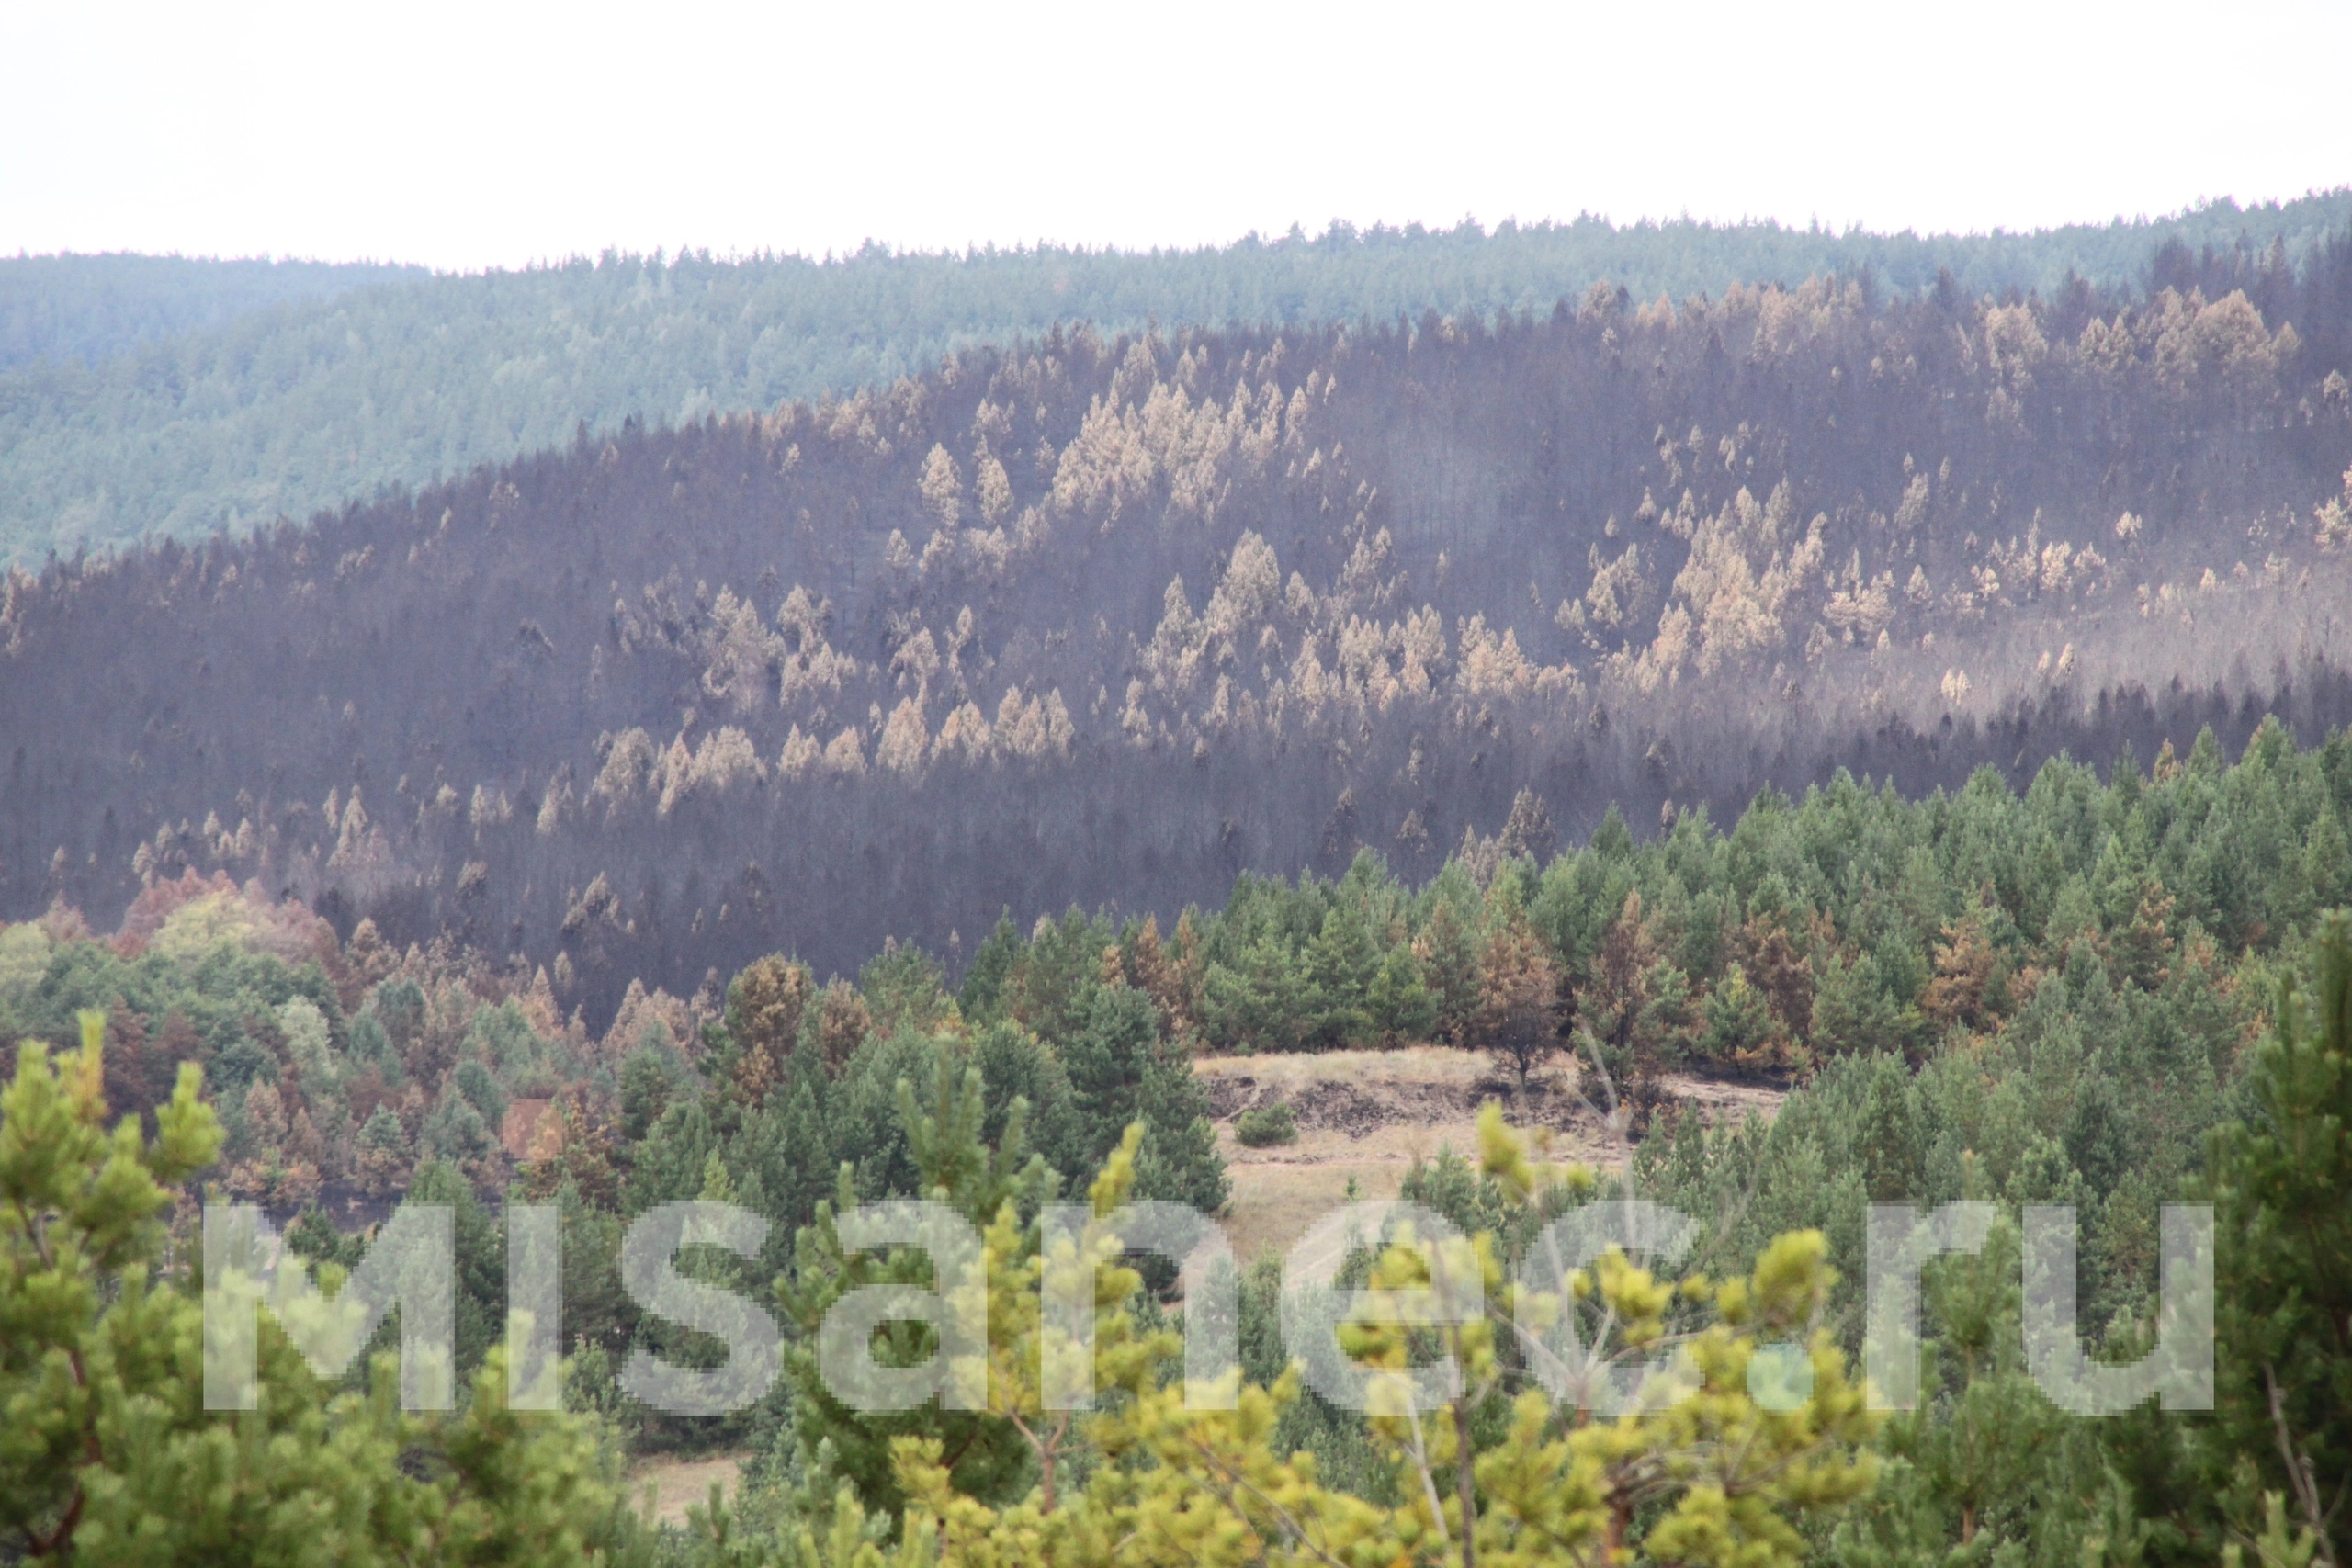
1267,1125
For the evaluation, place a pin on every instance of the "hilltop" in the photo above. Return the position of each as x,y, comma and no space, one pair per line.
142,396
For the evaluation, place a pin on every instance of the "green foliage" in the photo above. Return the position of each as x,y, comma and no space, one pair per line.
456,1131
1340,966
108,1455
667,1166
1398,1000
1739,1026
648,1080
2283,1277
92,308
1986,1468
233,412
903,990
1107,1062
955,1166
1251,1003
2036,997
862,1118
1049,984
1715,1478
982,997
1178,1161
1018,1068
1265,1125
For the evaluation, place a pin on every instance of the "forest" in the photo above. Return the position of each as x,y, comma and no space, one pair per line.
1781,722
1037,629
2111,992
91,309
147,395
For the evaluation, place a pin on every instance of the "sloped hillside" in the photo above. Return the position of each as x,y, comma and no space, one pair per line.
249,415
93,308
1111,618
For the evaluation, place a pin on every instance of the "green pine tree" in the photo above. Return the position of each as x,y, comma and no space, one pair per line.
1739,1022
2283,1276
1342,962
107,1452
1179,1162
988,1457
1403,1012
1107,1061
1259,1002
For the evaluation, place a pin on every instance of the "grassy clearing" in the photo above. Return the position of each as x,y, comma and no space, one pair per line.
1367,1116
676,1484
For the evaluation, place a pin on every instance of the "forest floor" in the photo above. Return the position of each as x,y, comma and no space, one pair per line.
1366,1116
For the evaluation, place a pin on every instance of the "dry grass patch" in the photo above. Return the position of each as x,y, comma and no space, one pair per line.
1410,1064
677,1484
1369,1115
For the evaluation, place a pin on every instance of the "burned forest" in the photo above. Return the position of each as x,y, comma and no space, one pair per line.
1104,620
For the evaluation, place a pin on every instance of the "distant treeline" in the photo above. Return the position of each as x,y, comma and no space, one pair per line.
92,308
242,415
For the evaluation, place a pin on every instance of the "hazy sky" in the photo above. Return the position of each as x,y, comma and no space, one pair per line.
473,134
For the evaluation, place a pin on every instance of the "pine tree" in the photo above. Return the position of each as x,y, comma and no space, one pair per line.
109,1456
989,1186
480,1259
2283,1276
1178,1161
1403,1012
1485,1475
2327,861
902,988
1518,1017
1255,1003
1448,950
1965,964
1610,1006
647,1080
764,1006
1740,1029
1017,1068
383,1164
1981,1467
842,1023
1340,964
1152,967
2142,947
1107,1062
983,997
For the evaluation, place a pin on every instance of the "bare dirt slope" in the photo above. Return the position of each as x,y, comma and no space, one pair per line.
1365,1116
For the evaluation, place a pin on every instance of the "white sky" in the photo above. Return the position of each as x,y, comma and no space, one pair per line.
473,134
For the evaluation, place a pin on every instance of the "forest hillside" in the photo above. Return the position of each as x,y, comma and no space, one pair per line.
2107,994
142,396
94,308
1108,618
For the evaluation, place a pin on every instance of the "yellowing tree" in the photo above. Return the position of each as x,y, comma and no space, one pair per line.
941,485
